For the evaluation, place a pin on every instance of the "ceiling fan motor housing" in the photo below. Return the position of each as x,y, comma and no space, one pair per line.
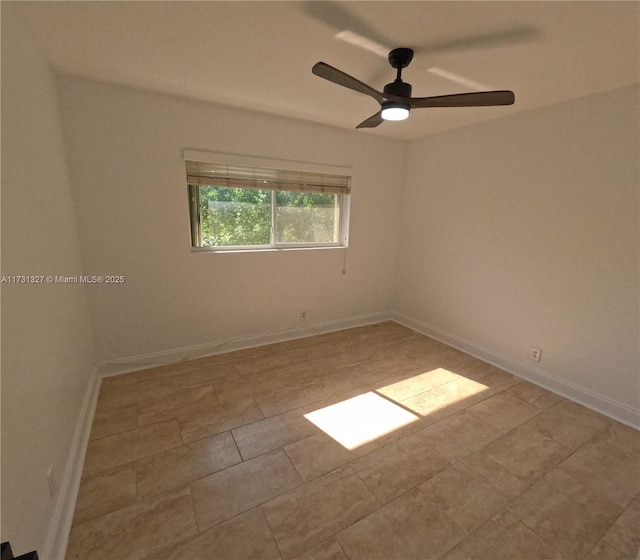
400,89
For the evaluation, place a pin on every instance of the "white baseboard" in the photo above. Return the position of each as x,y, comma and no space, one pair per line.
55,545
604,405
116,367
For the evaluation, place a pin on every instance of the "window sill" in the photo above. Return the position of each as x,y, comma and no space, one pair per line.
208,250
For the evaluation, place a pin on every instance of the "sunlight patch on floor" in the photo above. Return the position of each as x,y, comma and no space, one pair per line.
419,383
444,396
359,420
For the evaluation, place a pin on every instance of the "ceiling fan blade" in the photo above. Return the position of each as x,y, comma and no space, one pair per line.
341,19
476,99
339,77
372,121
460,80
358,40
503,37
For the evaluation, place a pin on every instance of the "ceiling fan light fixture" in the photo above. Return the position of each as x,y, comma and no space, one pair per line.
394,112
395,99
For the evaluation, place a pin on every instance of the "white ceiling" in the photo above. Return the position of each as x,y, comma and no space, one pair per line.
259,55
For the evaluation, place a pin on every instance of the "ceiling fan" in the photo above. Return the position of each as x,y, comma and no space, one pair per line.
395,99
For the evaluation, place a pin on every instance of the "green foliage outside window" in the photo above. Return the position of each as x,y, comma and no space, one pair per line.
236,217
305,217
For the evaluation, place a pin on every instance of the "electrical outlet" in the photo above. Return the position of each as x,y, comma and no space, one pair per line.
52,488
535,354
303,315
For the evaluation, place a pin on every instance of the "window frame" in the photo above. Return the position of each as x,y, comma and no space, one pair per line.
195,217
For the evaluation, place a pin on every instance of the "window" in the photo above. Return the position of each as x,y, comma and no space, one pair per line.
241,207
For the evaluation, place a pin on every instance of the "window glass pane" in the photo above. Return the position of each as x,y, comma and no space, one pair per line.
235,216
307,217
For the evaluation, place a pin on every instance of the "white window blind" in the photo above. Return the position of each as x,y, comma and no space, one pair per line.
246,177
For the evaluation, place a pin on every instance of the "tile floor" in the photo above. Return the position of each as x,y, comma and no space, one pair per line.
215,459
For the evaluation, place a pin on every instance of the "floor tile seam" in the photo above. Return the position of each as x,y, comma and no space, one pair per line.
534,428
326,396
498,433
225,401
505,508
242,459
611,443
550,545
545,473
588,555
471,398
180,417
129,430
520,422
379,505
323,541
455,524
132,463
406,490
264,514
524,401
602,540
398,403
505,511
335,538
243,511
265,417
176,391
624,510
597,469
137,502
295,468
227,520
186,418
266,520
621,448
351,461
114,385
260,504
347,555
616,549
569,497
101,407
302,482
114,433
476,530
195,517
188,483
488,479
438,385
600,473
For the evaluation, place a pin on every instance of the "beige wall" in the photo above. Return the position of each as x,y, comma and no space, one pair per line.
524,232
125,153
47,355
